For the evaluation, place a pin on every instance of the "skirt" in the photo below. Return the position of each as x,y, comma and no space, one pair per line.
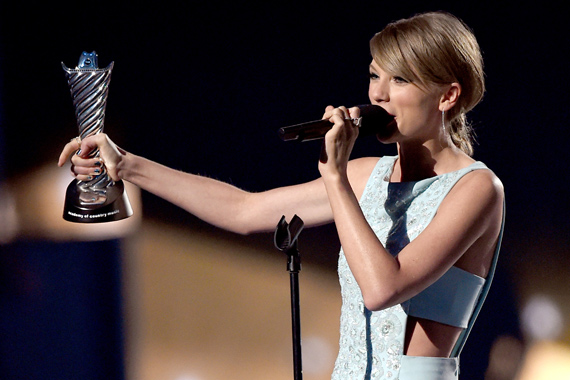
429,368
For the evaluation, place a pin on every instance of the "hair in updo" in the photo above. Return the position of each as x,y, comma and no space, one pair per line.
436,48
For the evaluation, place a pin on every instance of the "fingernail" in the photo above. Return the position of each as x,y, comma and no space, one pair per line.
97,171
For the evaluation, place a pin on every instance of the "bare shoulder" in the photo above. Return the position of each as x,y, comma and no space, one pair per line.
359,170
482,185
477,196
478,200
362,166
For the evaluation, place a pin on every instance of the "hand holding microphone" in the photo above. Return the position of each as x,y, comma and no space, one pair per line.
373,120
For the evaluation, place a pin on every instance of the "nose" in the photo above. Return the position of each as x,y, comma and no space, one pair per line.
378,91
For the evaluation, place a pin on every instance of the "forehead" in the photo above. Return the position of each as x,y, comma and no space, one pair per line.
376,67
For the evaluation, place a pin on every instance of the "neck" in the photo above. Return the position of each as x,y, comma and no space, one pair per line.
421,159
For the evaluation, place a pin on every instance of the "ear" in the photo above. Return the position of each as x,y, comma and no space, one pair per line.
450,97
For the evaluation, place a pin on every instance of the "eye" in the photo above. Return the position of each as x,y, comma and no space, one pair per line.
372,75
400,80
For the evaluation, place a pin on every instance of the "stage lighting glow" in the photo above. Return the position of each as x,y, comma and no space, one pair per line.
317,355
542,318
546,361
188,377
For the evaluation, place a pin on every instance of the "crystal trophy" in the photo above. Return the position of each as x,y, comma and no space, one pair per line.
99,199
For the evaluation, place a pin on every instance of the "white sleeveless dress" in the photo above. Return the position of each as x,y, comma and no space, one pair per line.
372,342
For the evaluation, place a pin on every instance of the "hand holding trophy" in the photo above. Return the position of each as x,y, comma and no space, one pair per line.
99,199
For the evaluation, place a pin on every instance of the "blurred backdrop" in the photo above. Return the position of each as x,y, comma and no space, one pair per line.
203,87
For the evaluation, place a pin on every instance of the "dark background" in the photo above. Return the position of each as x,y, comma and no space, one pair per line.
204,87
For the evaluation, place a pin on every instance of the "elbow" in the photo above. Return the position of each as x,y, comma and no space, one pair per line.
375,304
237,221
242,225
383,296
245,218
243,231
376,300
237,227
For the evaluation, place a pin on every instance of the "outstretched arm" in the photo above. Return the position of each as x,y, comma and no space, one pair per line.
213,201
225,205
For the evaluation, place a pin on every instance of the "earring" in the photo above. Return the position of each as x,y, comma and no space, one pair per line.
443,120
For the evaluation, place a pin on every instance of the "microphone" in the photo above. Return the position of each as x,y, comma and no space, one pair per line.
373,119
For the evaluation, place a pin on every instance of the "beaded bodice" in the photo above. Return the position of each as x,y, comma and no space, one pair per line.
371,343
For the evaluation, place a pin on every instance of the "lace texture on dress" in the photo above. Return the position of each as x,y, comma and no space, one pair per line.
371,343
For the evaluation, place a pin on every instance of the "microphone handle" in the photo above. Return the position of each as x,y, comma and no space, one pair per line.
374,119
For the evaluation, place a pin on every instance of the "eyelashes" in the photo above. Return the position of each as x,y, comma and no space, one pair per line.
395,78
400,80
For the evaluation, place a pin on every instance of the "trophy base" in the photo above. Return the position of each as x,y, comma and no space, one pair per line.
116,205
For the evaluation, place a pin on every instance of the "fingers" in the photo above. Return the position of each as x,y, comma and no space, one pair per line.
354,112
91,143
84,166
343,118
71,147
328,112
331,111
339,116
338,142
341,113
74,145
86,169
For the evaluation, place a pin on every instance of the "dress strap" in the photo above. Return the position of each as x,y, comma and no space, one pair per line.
465,333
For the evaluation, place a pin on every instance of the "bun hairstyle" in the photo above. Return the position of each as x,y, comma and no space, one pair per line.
436,48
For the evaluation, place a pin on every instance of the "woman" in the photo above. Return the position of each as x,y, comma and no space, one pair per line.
419,231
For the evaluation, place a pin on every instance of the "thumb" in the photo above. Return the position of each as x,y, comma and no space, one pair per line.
88,145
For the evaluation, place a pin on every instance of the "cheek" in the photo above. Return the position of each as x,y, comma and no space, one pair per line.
416,104
413,113
371,96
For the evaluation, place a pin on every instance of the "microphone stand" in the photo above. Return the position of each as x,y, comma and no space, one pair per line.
285,240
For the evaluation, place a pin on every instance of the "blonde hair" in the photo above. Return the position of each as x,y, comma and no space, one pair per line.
436,48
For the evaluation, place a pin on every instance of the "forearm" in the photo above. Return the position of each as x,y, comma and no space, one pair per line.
373,267
213,201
